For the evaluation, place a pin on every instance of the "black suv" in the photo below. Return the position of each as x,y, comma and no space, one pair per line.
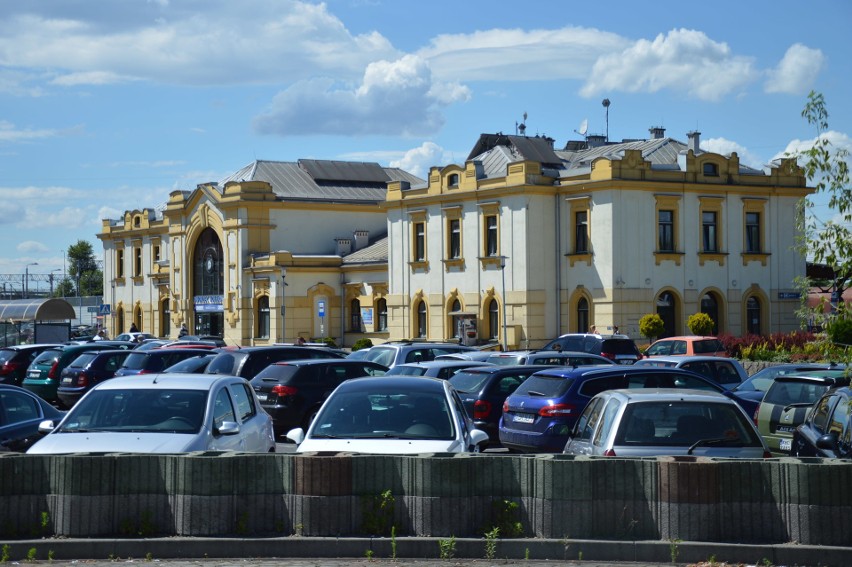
156,360
292,392
247,362
619,348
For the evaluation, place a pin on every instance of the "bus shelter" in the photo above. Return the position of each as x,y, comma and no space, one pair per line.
25,321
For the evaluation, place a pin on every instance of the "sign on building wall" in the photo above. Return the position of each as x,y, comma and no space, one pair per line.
208,303
366,318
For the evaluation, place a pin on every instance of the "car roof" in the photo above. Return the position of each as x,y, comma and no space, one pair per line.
28,347
508,369
574,371
318,361
400,384
687,358
443,363
177,380
817,377
667,394
595,335
687,338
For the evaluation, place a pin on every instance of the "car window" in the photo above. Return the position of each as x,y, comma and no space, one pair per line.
83,360
588,420
660,348
678,423
678,347
244,401
112,363
381,355
365,370
224,363
726,373
509,384
609,413
700,367
223,410
544,386
839,416
617,346
48,357
598,385
465,381
819,416
791,392
6,354
16,407
420,355
708,345
135,361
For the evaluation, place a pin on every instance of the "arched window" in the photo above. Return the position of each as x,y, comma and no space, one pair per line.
165,318
453,180
710,306
382,311
355,316
208,284
455,308
263,318
137,317
493,319
667,310
753,323
421,319
583,315
119,320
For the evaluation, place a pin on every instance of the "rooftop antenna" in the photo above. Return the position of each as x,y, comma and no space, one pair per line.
522,127
605,102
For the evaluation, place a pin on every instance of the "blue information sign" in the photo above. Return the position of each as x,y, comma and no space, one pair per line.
321,308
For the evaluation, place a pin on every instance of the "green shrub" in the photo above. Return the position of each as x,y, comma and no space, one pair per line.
700,324
362,344
840,331
651,326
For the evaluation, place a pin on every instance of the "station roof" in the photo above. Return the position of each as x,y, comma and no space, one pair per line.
52,309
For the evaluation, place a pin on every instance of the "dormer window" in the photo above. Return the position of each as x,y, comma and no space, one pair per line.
711,170
137,222
453,180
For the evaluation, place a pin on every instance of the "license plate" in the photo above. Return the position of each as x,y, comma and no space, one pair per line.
66,380
34,374
625,362
523,419
261,397
786,444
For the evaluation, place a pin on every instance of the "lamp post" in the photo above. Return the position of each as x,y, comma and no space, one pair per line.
27,279
283,307
503,274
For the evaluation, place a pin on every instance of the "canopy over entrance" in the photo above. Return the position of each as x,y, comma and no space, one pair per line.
53,309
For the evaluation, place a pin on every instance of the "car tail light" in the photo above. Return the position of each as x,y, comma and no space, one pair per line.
282,391
52,372
82,380
754,417
505,406
609,453
557,410
9,367
481,409
608,355
767,455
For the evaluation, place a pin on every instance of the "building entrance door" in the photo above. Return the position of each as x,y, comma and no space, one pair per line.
209,324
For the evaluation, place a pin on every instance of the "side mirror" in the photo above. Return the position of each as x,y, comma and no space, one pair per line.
827,441
46,426
478,437
296,435
228,428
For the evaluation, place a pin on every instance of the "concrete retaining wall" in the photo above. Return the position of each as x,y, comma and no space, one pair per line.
546,496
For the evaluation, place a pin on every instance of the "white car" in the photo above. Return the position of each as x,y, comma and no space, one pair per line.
391,415
162,413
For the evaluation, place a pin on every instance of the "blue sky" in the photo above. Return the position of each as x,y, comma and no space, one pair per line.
110,106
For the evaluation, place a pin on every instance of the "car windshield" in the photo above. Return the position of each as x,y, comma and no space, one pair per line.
49,356
384,415
194,364
381,355
135,361
82,360
618,346
506,359
138,410
709,345
400,370
684,423
465,381
6,354
224,363
794,392
544,386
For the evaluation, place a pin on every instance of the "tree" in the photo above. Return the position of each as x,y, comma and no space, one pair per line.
826,242
700,324
651,326
65,288
83,269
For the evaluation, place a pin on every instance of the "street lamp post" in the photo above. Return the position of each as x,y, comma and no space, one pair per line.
283,307
503,274
50,276
27,279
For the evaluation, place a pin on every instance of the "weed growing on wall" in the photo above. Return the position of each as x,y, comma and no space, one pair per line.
447,548
491,543
378,511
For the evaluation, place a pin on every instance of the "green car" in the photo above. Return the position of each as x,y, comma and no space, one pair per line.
787,402
42,377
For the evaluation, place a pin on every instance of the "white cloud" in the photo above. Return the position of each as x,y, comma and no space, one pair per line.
394,98
252,41
31,246
682,60
418,160
796,72
838,140
726,147
67,217
520,55
9,133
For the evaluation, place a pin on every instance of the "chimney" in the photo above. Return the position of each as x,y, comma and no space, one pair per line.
657,132
694,140
595,140
362,238
344,246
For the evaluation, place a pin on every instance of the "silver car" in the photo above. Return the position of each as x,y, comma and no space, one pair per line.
665,422
162,413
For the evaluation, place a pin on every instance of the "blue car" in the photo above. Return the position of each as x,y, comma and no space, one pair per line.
540,414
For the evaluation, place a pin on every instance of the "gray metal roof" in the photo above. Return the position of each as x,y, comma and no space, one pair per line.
53,309
374,253
323,180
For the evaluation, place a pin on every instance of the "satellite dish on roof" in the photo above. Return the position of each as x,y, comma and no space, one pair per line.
584,127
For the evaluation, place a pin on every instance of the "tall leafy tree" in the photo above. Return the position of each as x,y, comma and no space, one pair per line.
83,269
827,242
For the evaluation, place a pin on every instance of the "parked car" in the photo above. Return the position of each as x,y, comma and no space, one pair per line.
155,360
210,339
293,391
391,415
134,337
391,354
44,373
750,391
169,413
21,412
786,403
483,389
479,355
443,369
725,371
88,369
539,415
660,422
192,365
547,358
14,361
619,348
149,344
687,346
827,429
247,362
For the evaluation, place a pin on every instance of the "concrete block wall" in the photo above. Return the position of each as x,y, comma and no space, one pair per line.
808,501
